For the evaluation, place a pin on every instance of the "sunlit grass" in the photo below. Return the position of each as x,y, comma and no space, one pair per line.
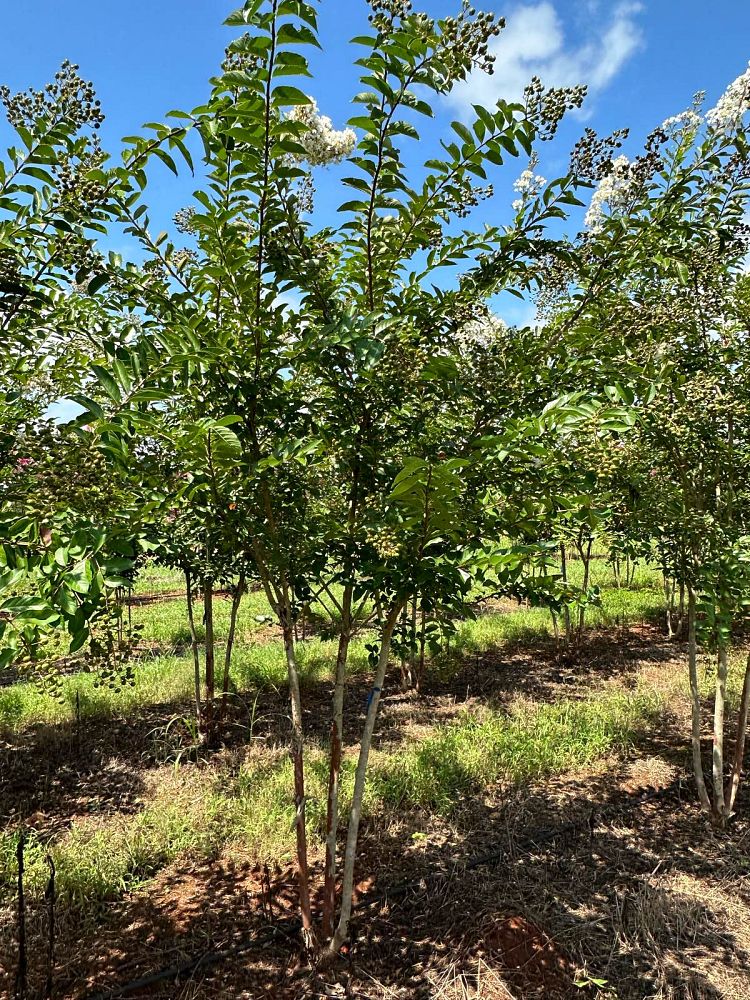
533,742
259,662
199,813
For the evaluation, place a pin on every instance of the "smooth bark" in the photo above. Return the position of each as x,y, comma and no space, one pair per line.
236,601
739,746
298,743
720,698
696,705
194,647
210,671
347,889
334,768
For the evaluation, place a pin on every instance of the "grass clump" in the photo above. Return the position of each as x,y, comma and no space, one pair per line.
98,861
475,752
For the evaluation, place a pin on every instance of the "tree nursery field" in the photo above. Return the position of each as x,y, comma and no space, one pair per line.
355,642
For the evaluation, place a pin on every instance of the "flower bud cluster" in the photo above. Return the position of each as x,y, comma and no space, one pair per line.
183,220
182,258
464,40
591,157
68,98
546,106
468,196
77,191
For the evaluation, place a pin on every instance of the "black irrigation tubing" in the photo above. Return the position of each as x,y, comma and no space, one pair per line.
188,967
532,841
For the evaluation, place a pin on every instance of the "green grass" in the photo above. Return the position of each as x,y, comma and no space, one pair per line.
477,751
98,861
155,579
199,814
168,679
165,623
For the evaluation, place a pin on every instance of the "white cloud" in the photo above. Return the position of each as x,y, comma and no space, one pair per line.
534,43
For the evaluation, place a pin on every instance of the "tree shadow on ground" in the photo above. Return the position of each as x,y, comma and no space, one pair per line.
522,888
651,899
54,773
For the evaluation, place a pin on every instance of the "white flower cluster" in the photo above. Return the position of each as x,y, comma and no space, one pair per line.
481,331
322,142
732,105
688,120
528,185
613,191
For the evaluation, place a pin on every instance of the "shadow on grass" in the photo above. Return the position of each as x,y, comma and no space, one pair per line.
65,769
639,902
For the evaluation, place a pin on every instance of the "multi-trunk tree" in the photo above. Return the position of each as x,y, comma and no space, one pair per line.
332,425
657,303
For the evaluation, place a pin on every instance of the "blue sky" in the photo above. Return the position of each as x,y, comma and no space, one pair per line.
642,60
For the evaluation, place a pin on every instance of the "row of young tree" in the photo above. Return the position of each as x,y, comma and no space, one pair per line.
333,412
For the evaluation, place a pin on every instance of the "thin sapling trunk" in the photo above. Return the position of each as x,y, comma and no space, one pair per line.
739,747
298,744
566,607
696,705
236,602
210,682
194,647
355,814
720,696
334,768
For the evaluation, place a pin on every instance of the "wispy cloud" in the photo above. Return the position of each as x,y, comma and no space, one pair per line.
535,43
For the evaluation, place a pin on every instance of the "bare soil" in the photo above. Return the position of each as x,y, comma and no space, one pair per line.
607,874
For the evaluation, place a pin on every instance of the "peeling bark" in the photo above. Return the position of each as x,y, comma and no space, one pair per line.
696,705
739,746
342,928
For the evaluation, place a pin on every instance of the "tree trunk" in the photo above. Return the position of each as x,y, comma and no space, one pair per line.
739,746
720,697
696,705
422,641
669,588
298,743
681,612
210,683
334,767
194,647
236,601
566,608
402,640
586,558
342,929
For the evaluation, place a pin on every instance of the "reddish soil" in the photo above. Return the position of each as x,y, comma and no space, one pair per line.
609,873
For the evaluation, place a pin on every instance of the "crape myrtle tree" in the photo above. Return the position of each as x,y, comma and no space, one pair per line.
335,428
63,548
658,300
196,527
